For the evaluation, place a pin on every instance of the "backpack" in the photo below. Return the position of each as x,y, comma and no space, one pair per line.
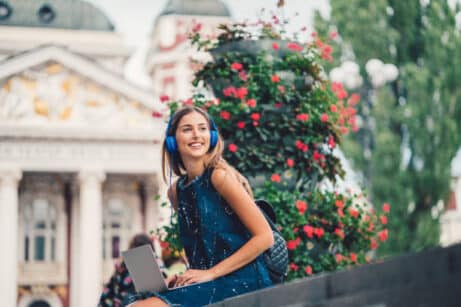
276,257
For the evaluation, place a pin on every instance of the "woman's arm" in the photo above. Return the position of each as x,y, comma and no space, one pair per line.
244,206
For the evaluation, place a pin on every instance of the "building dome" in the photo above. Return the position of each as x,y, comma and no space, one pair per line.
196,7
60,14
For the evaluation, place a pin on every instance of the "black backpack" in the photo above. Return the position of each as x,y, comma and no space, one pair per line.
276,257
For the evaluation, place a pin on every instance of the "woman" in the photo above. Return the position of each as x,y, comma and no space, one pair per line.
222,230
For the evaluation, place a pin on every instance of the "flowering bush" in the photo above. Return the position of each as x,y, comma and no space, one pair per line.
281,120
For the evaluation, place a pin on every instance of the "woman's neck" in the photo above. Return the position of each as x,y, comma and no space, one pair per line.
194,168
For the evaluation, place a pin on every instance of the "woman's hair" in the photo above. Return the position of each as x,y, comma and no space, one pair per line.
139,240
213,159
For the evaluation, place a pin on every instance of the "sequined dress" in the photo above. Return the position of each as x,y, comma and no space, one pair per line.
210,232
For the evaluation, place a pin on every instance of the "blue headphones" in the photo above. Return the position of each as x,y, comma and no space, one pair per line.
170,140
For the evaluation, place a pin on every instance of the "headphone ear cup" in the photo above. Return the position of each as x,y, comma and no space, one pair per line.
170,144
213,138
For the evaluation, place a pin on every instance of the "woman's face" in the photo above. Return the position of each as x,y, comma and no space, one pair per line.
193,135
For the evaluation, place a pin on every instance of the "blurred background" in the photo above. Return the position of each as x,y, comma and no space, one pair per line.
81,124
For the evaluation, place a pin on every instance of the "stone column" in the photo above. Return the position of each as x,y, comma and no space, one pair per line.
9,178
90,237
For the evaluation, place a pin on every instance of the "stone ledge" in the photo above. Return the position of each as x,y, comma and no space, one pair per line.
430,278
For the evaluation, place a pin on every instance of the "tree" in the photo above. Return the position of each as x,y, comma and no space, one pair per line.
417,118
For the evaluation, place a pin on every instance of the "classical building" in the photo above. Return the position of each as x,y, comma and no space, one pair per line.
79,148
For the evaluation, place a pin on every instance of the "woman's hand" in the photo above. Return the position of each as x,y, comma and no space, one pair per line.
171,280
194,276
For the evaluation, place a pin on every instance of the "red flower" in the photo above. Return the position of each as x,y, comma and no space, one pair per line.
224,115
333,108
276,178
293,244
324,117
232,147
302,117
353,212
302,206
382,235
275,46
241,92
353,257
236,66
301,146
383,219
354,99
188,102
340,213
373,244
278,105
275,78
240,125
339,258
255,116
319,232
371,226
294,47
293,267
164,98
156,114
308,270
309,231
290,162
339,233
333,34
386,207
164,244
281,89
251,103
229,91
316,156
197,27
331,141
243,75
339,203
326,52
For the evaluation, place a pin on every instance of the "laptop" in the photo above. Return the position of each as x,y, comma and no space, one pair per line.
144,269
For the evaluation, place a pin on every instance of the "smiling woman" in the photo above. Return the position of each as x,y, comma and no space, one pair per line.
222,230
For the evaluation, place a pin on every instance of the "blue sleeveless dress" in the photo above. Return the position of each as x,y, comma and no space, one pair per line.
210,232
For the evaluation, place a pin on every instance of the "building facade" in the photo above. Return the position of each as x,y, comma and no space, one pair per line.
80,169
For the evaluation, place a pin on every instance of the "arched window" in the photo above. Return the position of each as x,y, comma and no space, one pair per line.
46,13
5,10
117,220
40,219
39,303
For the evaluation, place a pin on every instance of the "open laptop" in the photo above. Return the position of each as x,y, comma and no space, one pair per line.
144,270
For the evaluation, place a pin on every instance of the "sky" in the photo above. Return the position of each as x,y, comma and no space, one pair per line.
134,20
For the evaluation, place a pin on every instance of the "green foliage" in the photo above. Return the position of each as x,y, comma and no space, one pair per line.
418,115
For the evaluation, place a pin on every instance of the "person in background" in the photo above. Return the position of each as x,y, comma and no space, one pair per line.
120,284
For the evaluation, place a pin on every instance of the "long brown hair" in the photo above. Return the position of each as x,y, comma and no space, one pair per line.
213,159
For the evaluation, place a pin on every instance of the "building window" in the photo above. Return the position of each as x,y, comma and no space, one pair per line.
5,10
40,303
40,219
116,228
46,13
